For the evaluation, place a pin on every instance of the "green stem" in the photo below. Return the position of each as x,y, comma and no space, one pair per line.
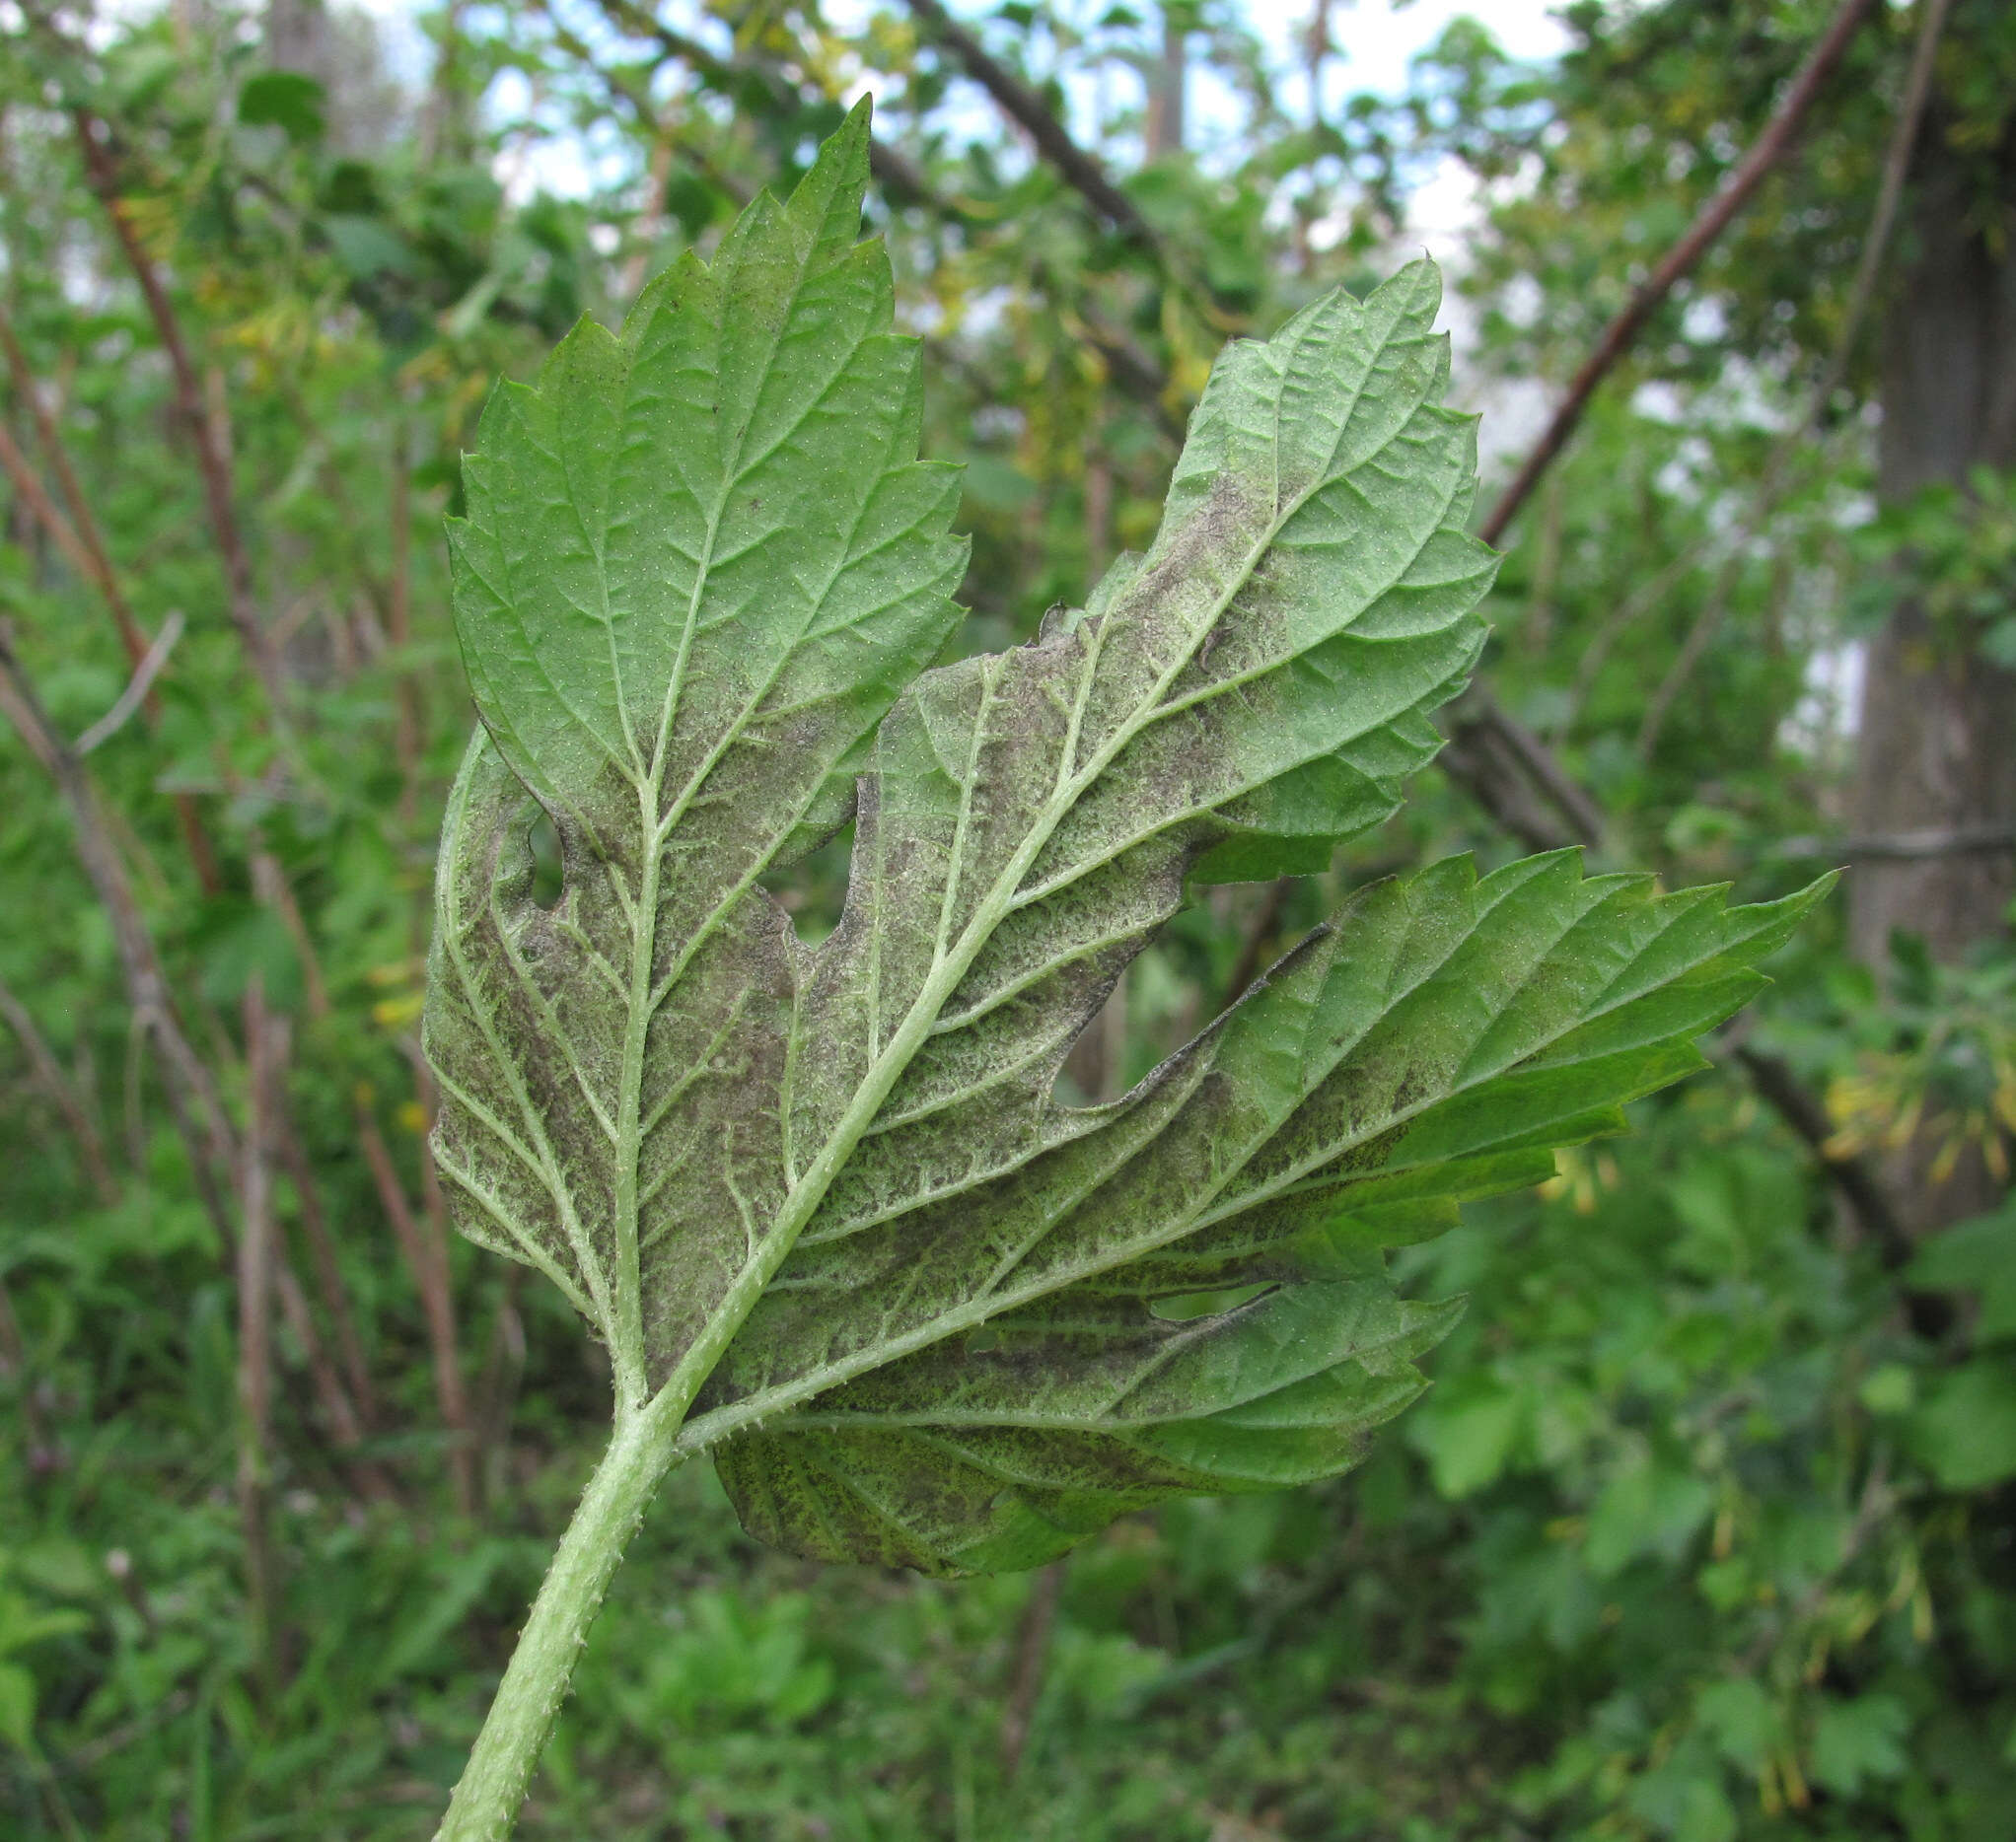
520,1719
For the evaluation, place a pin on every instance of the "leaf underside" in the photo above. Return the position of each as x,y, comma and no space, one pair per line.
925,1307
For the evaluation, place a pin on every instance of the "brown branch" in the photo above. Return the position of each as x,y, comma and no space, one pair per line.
139,688
406,741
256,1331
63,1096
1486,741
426,1252
427,1259
1138,375
92,557
1260,932
1482,758
340,1413
338,1408
1081,170
1905,846
1701,235
1031,1651
42,509
188,1085
43,1452
328,1276
187,1079
896,171
212,1148
81,539
205,430
1850,1173
1777,473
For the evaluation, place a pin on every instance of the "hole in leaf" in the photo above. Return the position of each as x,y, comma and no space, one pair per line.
982,1339
1096,1069
814,890
1187,1307
548,869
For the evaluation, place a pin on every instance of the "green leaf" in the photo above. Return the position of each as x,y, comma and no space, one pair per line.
1977,1255
16,1707
288,100
1744,1721
1646,1508
1468,1433
1964,1434
825,1202
1856,1740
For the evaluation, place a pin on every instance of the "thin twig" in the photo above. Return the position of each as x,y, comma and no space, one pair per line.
42,508
1850,1173
1905,846
322,1263
255,1333
1861,291
1032,1649
93,558
63,1096
1476,720
96,561
205,430
43,1452
897,172
1082,171
212,1147
340,1413
428,1265
496,1390
1715,217
1260,933
137,689
1627,614
1138,373
1488,753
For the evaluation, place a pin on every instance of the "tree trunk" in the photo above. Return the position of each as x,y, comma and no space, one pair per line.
1937,739
1167,85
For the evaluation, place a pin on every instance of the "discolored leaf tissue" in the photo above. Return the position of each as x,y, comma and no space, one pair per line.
822,1205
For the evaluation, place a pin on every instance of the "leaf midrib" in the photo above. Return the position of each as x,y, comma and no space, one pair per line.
802,1201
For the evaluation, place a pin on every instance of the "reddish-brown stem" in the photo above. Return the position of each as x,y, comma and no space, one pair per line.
1714,218
42,509
428,1264
1903,137
1490,751
205,427
1261,931
93,559
63,1096
211,1149
497,1386
399,621
322,1263
1031,1651
1081,170
42,1451
83,543
339,1412
256,1328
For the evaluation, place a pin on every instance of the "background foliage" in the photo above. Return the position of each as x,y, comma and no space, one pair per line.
1706,1532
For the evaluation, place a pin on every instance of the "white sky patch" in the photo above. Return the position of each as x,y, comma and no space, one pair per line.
1377,39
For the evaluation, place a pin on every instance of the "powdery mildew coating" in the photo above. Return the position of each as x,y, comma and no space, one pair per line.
701,575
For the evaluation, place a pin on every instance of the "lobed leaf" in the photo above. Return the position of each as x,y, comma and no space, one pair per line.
826,1201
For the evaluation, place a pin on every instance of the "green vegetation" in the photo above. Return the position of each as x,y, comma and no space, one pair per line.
1700,1533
